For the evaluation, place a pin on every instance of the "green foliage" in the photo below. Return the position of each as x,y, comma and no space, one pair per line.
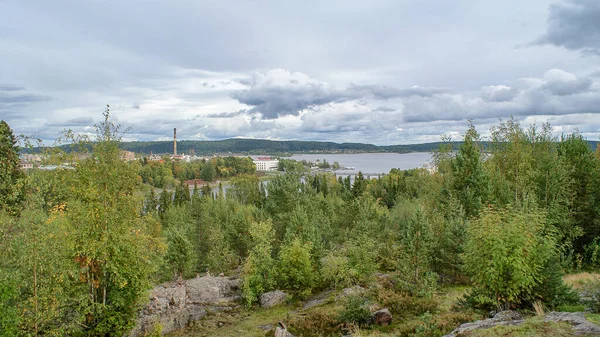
506,253
11,176
356,310
208,172
259,267
352,263
246,190
9,297
470,180
294,268
416,242
180,256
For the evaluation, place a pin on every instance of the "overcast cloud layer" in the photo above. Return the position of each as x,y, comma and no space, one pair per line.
381,72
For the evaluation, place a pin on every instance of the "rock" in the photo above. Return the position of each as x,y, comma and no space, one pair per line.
174,293
210,290
580,325
266,327
176,305
382,317
317,299
272,298
502,318
350,291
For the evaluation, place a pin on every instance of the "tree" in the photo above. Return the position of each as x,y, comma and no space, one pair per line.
208,172
11,176
295,270
506,253
259,267
246,190
113,246
470,180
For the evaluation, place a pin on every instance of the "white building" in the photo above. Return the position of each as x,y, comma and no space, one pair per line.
265,163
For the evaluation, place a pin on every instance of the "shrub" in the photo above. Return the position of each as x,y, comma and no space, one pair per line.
259,268
506,253
356,310
295,270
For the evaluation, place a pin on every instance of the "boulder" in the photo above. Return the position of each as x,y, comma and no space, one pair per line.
272,298
382,317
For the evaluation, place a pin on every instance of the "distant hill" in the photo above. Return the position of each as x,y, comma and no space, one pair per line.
263,146
276,147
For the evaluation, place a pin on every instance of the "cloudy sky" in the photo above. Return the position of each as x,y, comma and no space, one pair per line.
372,71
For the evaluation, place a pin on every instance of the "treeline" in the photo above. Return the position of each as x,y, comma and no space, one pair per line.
166,173
263,146
80,247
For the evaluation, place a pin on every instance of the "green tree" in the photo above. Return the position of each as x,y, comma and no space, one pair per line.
294,268
246,190
470,180
11,176
112,243
208,172
506,253
259,268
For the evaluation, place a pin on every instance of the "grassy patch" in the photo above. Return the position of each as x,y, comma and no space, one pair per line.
531,328
244,323
581,280
594,318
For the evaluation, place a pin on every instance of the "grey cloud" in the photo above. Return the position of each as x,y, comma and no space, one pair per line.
279,92
135,106
557,93
384,109
8,87
574,25
78,121
498,93
14,98
387,92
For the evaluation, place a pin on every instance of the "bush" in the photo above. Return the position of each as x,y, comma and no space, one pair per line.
295,270
356,310
352,263
506,253
259,268
402,304
315,324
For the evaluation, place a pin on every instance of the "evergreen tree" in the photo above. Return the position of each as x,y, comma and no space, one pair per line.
470,181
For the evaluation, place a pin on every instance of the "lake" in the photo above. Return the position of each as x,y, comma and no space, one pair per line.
370,163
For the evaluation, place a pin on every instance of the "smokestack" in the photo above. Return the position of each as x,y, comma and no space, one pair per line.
174,141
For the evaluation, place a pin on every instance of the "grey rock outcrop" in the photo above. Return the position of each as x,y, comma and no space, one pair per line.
580,325
176,305
502,318
272,298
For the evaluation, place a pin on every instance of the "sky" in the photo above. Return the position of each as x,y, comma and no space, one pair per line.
374,71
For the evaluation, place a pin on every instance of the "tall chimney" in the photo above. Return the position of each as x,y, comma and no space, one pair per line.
174,141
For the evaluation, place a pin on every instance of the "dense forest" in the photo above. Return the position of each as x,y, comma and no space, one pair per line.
81,246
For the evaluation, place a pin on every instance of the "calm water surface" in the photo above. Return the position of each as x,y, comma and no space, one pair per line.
371,163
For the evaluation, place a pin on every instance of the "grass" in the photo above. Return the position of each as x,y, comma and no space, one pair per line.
594,318
534,327
246,322
581,280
